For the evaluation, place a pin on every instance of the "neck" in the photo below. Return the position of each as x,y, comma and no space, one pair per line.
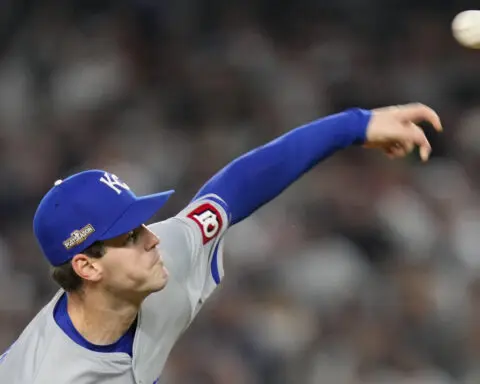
100,318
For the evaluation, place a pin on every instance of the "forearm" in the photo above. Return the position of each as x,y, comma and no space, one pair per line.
260,175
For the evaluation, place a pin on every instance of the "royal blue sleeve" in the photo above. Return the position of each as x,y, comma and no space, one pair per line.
260,175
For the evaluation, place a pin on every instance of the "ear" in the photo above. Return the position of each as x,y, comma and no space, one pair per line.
87,268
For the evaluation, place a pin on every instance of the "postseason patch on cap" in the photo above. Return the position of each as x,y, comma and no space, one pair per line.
78,236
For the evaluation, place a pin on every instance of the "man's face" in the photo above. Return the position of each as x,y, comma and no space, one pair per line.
132,265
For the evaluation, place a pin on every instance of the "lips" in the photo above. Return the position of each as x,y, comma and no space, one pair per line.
156,259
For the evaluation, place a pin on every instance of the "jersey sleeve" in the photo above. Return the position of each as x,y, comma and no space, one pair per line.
193,246
207,220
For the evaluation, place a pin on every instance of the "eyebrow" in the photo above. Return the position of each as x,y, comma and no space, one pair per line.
120,239
117,241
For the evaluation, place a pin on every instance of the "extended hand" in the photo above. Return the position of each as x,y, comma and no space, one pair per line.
394,130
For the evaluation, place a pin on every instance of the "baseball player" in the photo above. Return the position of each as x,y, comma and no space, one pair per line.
128,291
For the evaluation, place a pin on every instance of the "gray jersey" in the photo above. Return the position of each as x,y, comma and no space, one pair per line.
191,246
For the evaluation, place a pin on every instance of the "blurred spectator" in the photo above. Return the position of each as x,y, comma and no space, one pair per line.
364,272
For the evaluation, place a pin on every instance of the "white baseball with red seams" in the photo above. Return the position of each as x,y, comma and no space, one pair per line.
466,28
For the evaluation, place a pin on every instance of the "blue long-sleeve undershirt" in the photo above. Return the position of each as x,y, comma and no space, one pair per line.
260,175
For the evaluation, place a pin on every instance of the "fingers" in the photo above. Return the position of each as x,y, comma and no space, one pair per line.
398,150
394,130
413,136
395,151
408,147
418,112
421,141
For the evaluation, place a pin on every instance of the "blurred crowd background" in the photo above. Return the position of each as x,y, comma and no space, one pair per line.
366,271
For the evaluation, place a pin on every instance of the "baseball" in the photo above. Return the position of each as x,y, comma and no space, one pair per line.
466,28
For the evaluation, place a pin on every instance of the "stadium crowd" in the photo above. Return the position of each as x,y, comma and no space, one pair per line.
366,271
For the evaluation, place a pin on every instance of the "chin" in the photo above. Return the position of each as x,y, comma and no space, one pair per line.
163,283
157,280
162,280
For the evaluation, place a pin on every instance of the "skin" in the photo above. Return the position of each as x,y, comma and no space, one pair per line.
115,285
395,132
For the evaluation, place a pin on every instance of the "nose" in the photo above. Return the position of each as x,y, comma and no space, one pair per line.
151,240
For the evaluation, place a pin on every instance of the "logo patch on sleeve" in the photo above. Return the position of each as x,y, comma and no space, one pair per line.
208,219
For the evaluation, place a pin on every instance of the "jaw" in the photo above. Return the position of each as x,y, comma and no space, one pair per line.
135,287
157,282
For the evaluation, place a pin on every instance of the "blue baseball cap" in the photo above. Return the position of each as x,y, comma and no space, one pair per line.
87,207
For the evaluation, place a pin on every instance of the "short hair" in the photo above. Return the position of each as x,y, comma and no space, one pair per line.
65,276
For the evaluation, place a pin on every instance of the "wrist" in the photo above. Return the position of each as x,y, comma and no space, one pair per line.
357,125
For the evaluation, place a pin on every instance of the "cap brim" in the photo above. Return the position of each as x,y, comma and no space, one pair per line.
137,214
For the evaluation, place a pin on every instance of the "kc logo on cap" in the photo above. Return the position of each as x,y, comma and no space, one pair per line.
113,182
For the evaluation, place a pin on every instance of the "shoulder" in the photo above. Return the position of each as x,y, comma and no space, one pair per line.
196,226
208,217
25,357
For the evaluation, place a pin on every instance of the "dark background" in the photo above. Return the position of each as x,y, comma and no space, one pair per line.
364,272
